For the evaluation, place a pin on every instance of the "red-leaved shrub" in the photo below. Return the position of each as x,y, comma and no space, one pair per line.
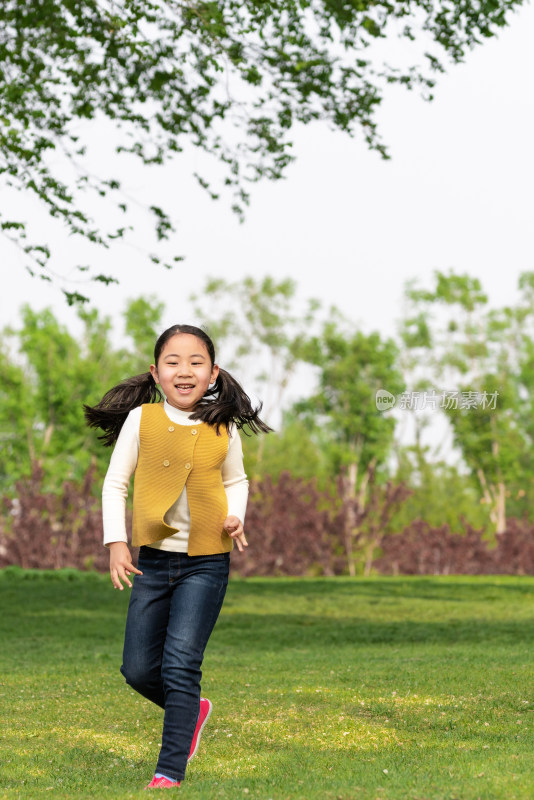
48,530
293,529
422,550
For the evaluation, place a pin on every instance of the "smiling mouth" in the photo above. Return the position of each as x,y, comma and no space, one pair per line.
185,386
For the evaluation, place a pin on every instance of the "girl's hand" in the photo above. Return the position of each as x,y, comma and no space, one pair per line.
234,528
120,565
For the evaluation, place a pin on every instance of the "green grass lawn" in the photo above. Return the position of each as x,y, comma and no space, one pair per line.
330,689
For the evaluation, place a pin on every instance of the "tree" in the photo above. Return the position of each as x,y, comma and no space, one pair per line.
142,318
293,448
442,493
259,328
479,364
232,78
47,374
353,367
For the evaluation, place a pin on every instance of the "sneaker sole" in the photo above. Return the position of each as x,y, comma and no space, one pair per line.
208,715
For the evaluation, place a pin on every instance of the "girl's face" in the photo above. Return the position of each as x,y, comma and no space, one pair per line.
184,371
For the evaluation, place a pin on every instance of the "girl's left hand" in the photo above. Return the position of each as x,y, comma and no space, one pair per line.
234,528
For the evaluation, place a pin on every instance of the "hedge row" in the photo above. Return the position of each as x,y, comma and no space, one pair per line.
293,529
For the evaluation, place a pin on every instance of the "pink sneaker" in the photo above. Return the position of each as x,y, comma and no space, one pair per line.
205,711
161,783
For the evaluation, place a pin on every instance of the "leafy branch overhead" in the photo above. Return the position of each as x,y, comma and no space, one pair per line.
230,77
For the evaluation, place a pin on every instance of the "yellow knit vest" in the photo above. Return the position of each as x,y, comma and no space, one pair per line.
172,456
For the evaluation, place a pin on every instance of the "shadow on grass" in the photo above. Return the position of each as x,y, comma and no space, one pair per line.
457,588
297,613
270,631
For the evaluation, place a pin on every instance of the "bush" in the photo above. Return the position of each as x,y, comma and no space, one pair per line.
424,550
47,530
290,531
294,529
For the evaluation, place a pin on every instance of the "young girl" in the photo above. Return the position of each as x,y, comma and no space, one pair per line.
190,495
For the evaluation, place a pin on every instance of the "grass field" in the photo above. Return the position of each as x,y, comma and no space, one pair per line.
330,689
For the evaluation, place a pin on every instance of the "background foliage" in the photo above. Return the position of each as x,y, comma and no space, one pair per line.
334,489
232,78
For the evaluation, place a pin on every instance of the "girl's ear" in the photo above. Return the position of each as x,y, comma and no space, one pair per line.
154,372
214,373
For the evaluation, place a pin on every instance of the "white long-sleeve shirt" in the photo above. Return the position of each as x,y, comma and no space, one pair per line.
122,466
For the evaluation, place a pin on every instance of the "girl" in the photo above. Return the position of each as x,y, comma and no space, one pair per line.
190,495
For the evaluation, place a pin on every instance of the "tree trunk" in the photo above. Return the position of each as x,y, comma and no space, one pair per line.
364,484
500,507
495,497
371,547
48,434
350,517
373,542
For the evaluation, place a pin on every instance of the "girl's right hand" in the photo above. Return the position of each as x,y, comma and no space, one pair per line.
120,565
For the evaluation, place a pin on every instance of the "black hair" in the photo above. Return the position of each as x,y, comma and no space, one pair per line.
224,403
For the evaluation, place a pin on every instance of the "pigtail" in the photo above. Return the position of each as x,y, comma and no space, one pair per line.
111,412
227,402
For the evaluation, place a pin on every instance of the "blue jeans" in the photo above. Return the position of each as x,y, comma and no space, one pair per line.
173,608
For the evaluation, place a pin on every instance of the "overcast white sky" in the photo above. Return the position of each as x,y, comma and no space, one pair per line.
347,226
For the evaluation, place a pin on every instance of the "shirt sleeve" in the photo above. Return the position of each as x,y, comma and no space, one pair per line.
121,468
234,477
